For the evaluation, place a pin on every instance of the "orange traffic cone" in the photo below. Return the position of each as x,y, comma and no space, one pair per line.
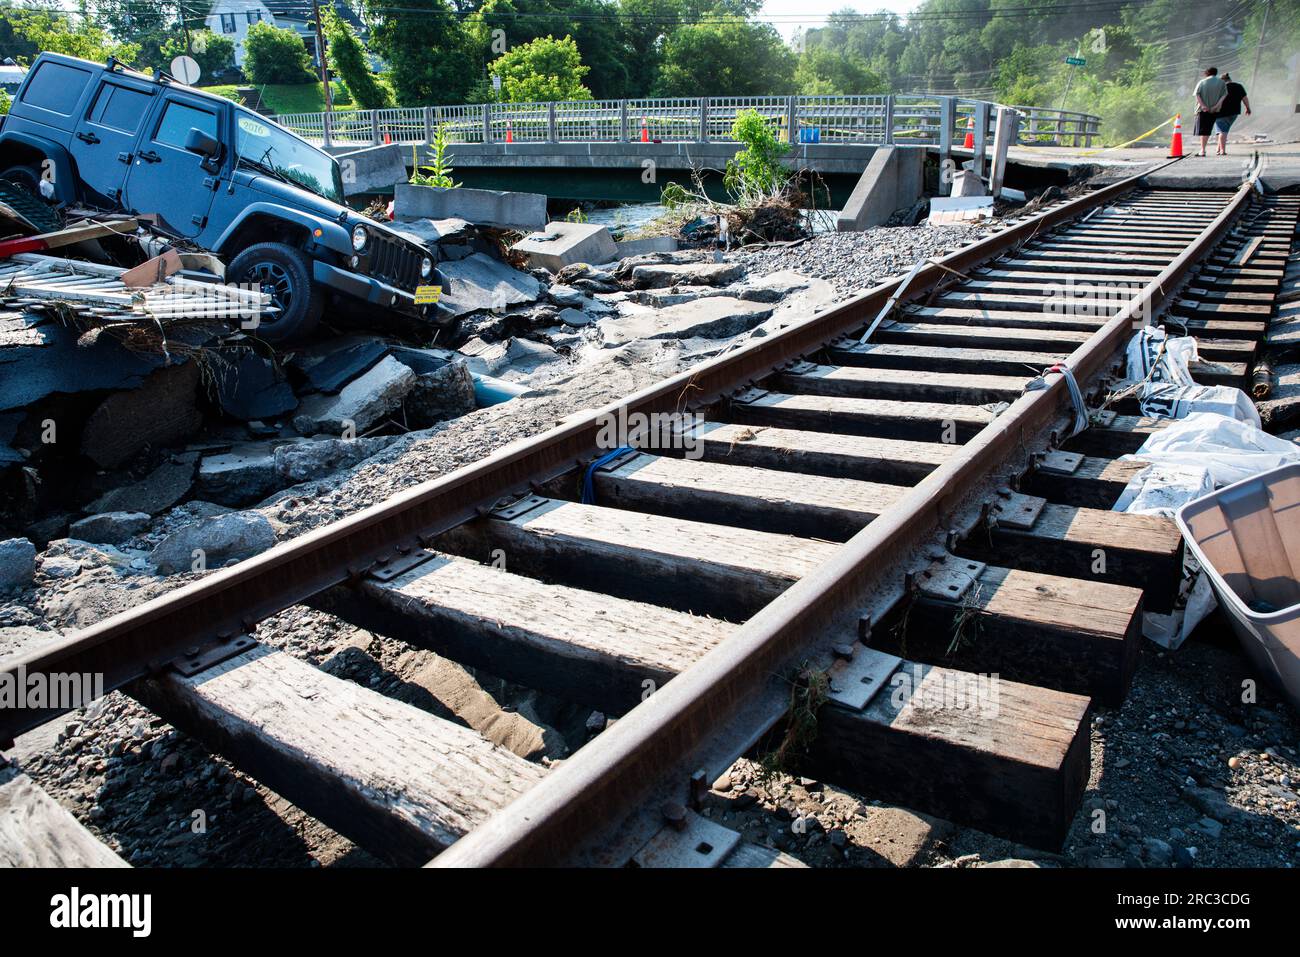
387,139
510,133
969,142
1176,145
645,131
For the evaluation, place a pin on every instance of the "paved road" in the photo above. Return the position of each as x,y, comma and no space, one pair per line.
1281,163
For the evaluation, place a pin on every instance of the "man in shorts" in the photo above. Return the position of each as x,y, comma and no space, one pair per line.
1209,97
1229,110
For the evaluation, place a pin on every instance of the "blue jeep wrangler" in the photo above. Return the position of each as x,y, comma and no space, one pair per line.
219,176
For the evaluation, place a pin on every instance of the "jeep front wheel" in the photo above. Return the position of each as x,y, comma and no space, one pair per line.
284,273
28,177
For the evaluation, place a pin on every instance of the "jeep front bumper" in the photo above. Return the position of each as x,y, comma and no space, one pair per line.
369,290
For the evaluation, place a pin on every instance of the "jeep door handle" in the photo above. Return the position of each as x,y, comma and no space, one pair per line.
149,156
88,138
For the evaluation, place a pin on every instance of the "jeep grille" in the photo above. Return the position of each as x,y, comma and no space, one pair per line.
394,262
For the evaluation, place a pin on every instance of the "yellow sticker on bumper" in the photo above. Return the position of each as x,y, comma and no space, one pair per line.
425,295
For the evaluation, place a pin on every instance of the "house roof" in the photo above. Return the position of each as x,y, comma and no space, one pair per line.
293,10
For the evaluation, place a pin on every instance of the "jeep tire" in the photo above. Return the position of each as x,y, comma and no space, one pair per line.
284,272
28,177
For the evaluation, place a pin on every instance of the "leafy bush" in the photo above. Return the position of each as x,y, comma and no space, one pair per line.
275,55
756,170
4,102
347,57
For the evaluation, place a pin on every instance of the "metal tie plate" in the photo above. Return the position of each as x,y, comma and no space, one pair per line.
855,681
949,579
699,843
1017,511
1060,463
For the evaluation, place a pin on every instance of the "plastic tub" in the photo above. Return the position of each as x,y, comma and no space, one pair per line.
1247,538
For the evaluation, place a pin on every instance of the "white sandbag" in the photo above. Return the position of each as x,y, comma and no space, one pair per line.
1229,449
1154,356
1167,400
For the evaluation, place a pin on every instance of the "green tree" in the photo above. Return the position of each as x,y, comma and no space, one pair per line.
347,57
41,29
154,31
823,71
542,69
725,57
213,52
4,102
430,56
275,55
755,171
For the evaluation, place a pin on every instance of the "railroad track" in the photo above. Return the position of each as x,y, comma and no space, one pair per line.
823,523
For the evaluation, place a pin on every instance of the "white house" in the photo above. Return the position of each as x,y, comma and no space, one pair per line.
232,18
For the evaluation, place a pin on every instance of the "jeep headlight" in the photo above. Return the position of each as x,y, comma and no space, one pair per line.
359,238
426,267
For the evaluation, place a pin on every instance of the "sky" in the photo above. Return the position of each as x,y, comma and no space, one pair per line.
788,15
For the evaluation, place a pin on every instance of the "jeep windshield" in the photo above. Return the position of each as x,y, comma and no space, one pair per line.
265,146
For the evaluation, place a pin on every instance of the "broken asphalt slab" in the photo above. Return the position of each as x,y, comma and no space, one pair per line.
358,405
214,542
480,282
663,275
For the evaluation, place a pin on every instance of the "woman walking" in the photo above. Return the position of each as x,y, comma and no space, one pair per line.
1233,100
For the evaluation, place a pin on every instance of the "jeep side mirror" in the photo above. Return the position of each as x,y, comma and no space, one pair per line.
196,141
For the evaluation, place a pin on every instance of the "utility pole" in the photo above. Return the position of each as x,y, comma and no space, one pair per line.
324,65
1259,46
185,26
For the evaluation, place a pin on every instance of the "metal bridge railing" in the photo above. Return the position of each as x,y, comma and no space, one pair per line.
917,118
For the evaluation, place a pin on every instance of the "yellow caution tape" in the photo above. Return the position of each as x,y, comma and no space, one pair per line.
1104,149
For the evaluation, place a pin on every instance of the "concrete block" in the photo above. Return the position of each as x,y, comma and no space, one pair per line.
108,528
893,179
564,244
482,207
967,183
17,563
359,404
650,244
375,169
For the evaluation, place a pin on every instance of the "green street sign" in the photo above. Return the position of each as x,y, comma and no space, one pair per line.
1076,61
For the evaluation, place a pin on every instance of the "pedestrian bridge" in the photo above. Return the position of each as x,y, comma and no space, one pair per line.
626,150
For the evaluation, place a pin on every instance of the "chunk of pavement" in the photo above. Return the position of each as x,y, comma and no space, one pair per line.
244,474
17,563
328,368
562,244
213,542
523,356
249,386
563,295
359,404
586,272
303,461
108,528
575,317
435,683
445,393
126,422
717,317
662,275
480,282
155,493
773,287
434,232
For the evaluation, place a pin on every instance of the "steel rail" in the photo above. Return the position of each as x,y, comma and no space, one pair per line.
229,602
623,771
